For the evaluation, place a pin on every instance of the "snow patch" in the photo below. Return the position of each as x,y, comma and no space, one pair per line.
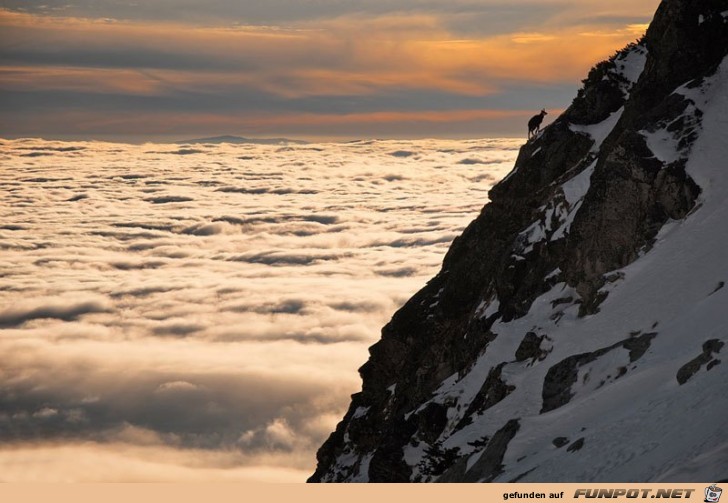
663,145
553,274
576,188
598,132
559,216
360,412
413,456
492,308
631,66
670,146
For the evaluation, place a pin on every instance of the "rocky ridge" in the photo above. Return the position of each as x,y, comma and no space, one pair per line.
483,375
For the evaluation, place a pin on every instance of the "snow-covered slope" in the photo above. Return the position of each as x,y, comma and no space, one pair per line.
637,421
576,329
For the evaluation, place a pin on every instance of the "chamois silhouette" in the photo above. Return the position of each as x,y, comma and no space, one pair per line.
534,125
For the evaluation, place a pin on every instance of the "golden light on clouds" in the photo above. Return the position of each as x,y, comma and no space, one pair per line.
353,63
337,60
638,29
562,57
532,38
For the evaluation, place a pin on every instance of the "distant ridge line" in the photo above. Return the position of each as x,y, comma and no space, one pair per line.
240,139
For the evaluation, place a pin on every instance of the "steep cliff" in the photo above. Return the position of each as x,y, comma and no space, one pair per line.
575,329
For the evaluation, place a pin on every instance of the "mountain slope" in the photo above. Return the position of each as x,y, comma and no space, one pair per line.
575,329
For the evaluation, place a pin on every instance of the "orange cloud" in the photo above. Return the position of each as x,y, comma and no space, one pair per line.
346,55
558,57
532,38
353,55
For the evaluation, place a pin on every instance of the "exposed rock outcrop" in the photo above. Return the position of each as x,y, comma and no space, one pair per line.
705,358
557,386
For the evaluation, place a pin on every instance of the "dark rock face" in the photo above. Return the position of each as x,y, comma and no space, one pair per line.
632,198
682,48
576,445
705,358
493,391
562,376
530,348
488,466
535,234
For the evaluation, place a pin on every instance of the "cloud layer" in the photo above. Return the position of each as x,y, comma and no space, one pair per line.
326,69
198,312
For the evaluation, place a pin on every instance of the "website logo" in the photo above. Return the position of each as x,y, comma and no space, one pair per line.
712,494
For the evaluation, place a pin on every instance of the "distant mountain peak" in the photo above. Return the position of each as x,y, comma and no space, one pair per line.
242,140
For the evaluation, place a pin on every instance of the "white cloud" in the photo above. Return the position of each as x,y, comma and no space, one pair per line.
230,323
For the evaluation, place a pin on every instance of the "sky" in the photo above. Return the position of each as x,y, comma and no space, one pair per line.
312,69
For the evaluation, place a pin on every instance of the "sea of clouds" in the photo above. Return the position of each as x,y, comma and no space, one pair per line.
198,312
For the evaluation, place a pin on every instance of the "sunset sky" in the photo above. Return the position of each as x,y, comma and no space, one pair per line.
318,69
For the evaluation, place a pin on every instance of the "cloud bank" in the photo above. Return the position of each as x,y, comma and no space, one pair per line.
200,313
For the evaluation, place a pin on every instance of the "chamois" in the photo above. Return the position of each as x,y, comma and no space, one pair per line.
534,125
